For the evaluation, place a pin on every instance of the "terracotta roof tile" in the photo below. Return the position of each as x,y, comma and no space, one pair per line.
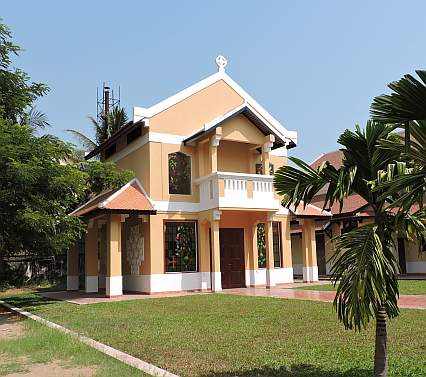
309,211
130,197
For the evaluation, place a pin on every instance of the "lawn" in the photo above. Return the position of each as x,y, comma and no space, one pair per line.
406,287
37,346
224,335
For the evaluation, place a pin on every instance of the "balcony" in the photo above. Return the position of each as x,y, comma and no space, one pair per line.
237,190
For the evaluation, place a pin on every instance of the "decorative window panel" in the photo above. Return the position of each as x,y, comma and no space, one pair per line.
180,246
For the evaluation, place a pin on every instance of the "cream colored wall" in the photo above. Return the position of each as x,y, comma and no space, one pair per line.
189,115
233,157
139,163
240,129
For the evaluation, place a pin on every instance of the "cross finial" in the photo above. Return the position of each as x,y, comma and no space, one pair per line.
221,62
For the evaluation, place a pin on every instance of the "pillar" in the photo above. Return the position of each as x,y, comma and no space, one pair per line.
266,148
287,262
204,253
269,255
72,268
214,143
216,276
114,278
309,253
91,258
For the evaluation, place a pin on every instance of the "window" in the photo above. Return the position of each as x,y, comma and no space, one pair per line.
261,244
134,134
259,169
348,225
181,246
110,150
276,237
179,173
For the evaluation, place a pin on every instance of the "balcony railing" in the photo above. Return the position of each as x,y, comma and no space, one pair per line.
237,190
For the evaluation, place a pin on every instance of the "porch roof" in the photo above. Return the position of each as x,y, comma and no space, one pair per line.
130,198
254,117
309,211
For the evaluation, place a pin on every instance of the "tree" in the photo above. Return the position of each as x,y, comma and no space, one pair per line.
364,263
17,93
36,192
110,123
406,106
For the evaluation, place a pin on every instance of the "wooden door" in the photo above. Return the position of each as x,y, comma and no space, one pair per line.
232,257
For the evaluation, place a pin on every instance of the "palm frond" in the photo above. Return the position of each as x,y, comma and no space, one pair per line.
87,143
35,118
363,268
406,102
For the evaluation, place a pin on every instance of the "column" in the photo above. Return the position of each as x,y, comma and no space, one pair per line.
204,253
114,279
91,258
216,276
266,148
286,250
269,255
214,143
72,268
309,253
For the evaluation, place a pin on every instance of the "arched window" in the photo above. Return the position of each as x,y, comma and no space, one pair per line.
179,173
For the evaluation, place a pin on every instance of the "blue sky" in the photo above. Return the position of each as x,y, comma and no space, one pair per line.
314,65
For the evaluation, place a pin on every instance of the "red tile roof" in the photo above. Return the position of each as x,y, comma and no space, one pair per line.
131,197
335,158
309,211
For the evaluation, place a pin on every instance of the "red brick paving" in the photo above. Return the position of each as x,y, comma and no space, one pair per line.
405,301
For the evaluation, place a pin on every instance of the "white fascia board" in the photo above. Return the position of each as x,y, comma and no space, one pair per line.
221,75
223,117
138,113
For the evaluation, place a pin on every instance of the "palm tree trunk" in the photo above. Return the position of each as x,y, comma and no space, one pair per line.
380,356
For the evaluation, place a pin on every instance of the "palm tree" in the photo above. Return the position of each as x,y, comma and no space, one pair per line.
406,106
363,264
109,123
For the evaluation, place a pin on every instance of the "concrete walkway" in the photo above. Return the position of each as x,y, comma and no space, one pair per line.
82,298
405,301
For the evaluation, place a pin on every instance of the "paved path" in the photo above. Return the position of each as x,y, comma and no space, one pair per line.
82,298
405,301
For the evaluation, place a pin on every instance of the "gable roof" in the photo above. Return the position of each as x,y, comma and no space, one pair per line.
130,198
252,115
143,113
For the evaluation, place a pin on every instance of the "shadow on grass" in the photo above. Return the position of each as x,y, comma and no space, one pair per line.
300,370
27,301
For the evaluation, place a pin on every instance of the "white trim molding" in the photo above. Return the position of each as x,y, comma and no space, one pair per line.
279,276
270,281
114,285
168,282
92,284
310,274
216,281
72,283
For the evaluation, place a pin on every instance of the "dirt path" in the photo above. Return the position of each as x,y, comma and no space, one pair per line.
12,327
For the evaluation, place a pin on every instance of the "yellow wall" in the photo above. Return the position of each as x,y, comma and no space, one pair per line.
233,157
189,115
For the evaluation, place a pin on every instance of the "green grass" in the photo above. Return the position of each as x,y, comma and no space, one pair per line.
223,335
406,287
40,344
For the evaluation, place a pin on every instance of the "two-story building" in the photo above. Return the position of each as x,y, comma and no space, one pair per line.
201,203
